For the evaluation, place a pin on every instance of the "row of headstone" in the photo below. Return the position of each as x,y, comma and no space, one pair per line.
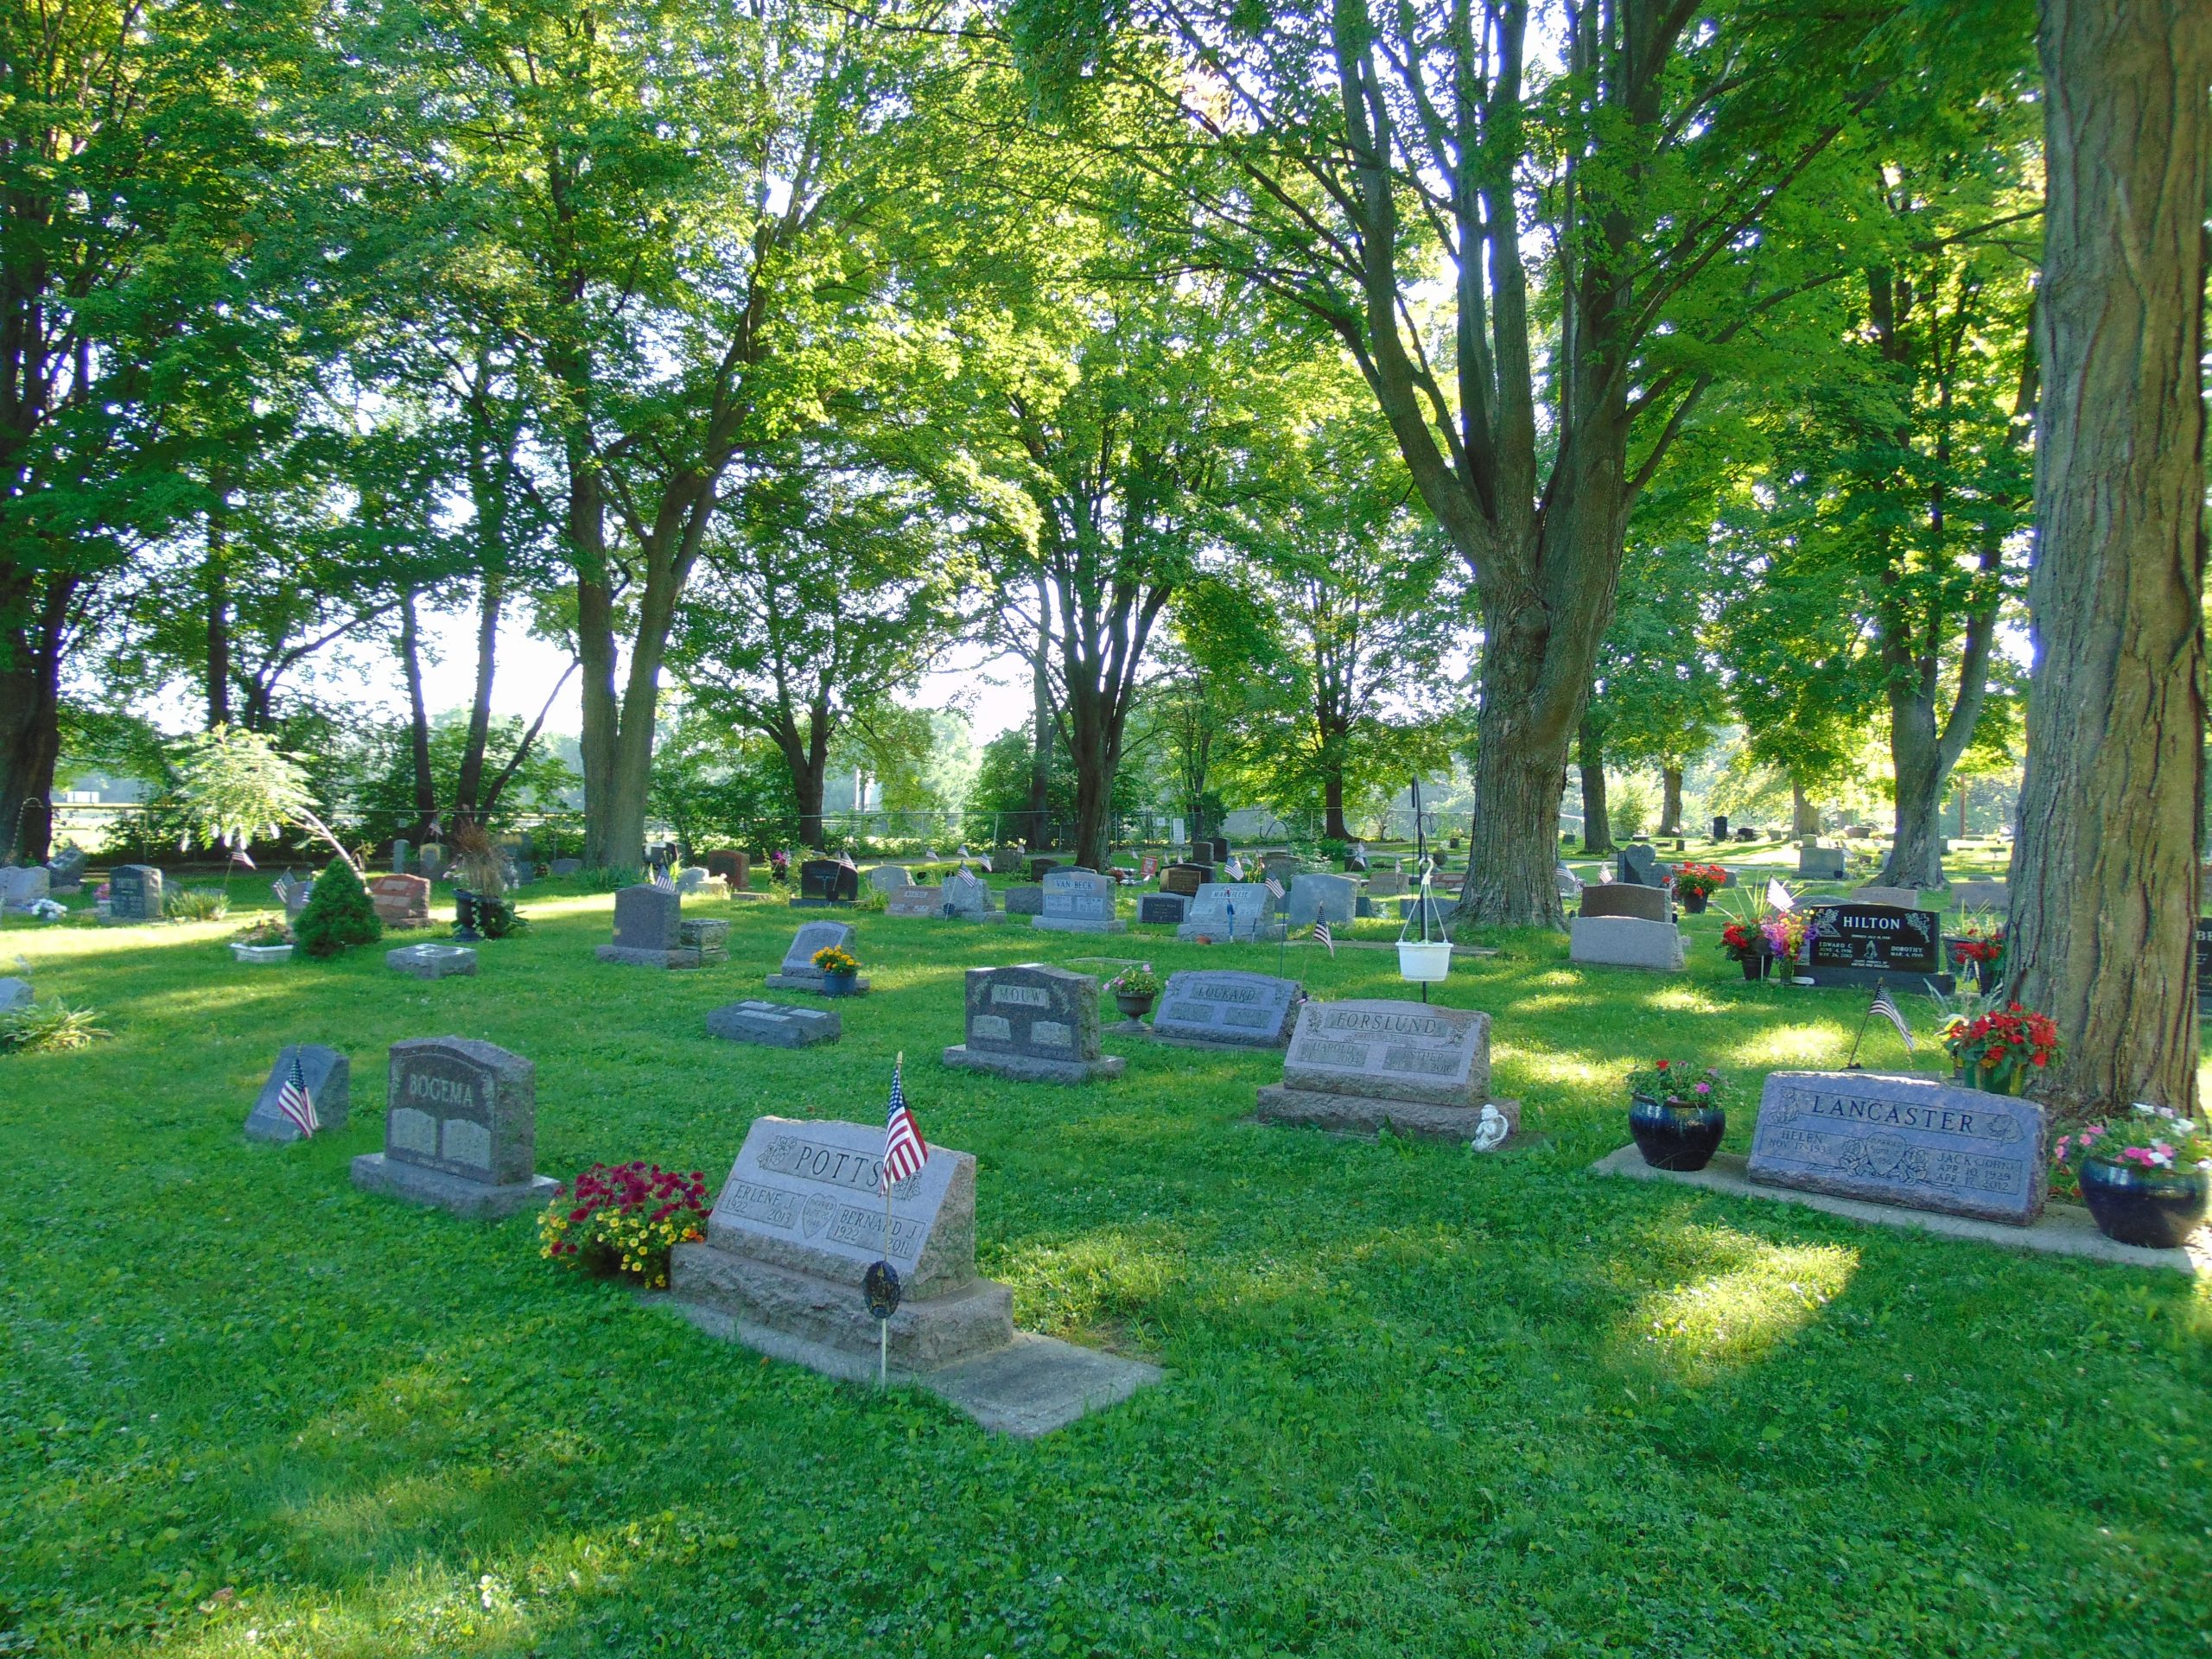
1034,1022
1238,913
1360,1065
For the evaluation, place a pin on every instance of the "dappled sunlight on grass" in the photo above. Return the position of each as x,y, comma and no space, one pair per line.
1752,1295
1097,1284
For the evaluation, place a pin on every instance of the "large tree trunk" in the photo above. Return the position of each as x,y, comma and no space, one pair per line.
1597,820
218,581
468,785
2104,878
1094,746
1038,834
807,755
1670,807
419,723
1804,816
1333,803
30,744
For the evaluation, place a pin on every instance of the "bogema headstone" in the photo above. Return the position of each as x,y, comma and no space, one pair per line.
1222,1007
1905,1141
328,1078
1077,901
649,930
1852,944
798,972
1328,898
1034,1022
460,1129
1355,1066
1237,912
774,1025
134,894
797,1224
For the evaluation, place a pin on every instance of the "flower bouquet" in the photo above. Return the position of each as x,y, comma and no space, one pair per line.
1784,932
1994,1051
2146,1176
1698,882
624,1219
1745,943
1135,990
1976,948
840,971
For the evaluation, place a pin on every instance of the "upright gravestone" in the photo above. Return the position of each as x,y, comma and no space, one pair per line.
1322,898
733,866
1024,901
399,851
1851,944
293,893
1627,898
431,861
1162,910
966,897
798,972
1818,863
826,881
1034,1022
707,934
1905,1141
648,930
1077,901
566,866
1638,863
798,1225
134,894
1981,895
915,899
1186,878
66,868
1353,1066
22,888
401,900
697,878
329,1078
1235,912
774,1025
1900,898
1721,826
1387,884
461,1126
889,878
1224,1008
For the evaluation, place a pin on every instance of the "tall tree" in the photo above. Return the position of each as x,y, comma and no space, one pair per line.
2105,875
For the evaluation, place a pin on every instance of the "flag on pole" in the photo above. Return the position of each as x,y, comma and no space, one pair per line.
662,880
1276,887
1778,896
903,1149
294,1100
984,859
1888,1010
845,858
240,856
1235,867
1323,936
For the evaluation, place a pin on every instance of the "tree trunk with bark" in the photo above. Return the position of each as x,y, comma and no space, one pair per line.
1804,816
806,753
218,595
469,782
418,723
2104,875
1038,834
1590,756
1670,801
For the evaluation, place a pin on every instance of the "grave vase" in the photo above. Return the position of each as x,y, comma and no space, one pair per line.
1134,1005
1991,1080
1755,965
1694,903
1675,1134
840,984
2157,1209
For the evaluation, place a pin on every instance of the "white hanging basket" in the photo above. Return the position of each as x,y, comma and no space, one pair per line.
1424,962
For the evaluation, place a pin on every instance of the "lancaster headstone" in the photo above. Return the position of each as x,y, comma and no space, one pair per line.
461,1126
1227,1008
1034,1022
329,1078
1906,1141
1077,901
1353,1066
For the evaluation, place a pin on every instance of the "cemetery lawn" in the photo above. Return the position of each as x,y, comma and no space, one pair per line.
1417,1403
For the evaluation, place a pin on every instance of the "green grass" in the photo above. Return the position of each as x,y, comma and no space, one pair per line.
1417,1403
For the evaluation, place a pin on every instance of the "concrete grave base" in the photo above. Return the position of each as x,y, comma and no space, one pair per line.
1219,1045
1031,1387
431,961
681,957
1624,942
1032,1069
927,1334
1217,933
2063,1230
1868,978
775,1025
812,987
1365,1115
1069,924
474,1200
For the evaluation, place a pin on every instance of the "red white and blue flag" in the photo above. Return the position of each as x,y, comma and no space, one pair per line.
1323,936
1276,887
845,858
296,1102
904,1151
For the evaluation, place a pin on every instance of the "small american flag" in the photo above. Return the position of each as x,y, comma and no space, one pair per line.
240,856
1322,935
1235,867
903,1152
1888,1010
295,1102
1276,887
845,858
662,880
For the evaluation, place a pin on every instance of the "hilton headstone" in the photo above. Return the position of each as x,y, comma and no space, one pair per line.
1905,1141
1034,1022
1077,901
329,1078
1355,1066
1227,1008
1854,943
461,1125
798,972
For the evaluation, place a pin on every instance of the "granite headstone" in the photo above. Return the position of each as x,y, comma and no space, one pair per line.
1355,1066
329,1078
135,893
1236,911
1226,1007
461,1126
798,972
1077,901
774,1025
1034,1022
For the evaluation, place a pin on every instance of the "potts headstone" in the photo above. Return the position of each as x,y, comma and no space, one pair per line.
460,1124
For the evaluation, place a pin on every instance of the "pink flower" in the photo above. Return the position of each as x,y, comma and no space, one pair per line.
1705,1089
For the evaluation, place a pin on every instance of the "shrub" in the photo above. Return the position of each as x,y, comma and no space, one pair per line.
338,913
497,919
47,1029
198,905
624,1219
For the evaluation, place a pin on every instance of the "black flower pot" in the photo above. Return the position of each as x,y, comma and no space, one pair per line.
2157,1209
1134,1005
1694,903
1673,1136
1755,965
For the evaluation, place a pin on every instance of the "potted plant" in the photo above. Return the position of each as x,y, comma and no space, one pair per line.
1696,883
1135,990
2145,1175
1676,1115
1745,943
1993,1051
1421,960
1975,950
1784,931
840,969
267,941
624,1219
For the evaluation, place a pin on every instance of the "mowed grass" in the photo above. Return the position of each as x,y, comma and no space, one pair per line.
1417,1401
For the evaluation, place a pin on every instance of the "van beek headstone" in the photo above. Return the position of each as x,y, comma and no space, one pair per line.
648,931
1905,1141
798,972
774,1025
1355,1066
1077,901
1238,911
1034,1022
1222,1008
329,1078
459,1130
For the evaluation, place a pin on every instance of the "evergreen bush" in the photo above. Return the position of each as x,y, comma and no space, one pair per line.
338,913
